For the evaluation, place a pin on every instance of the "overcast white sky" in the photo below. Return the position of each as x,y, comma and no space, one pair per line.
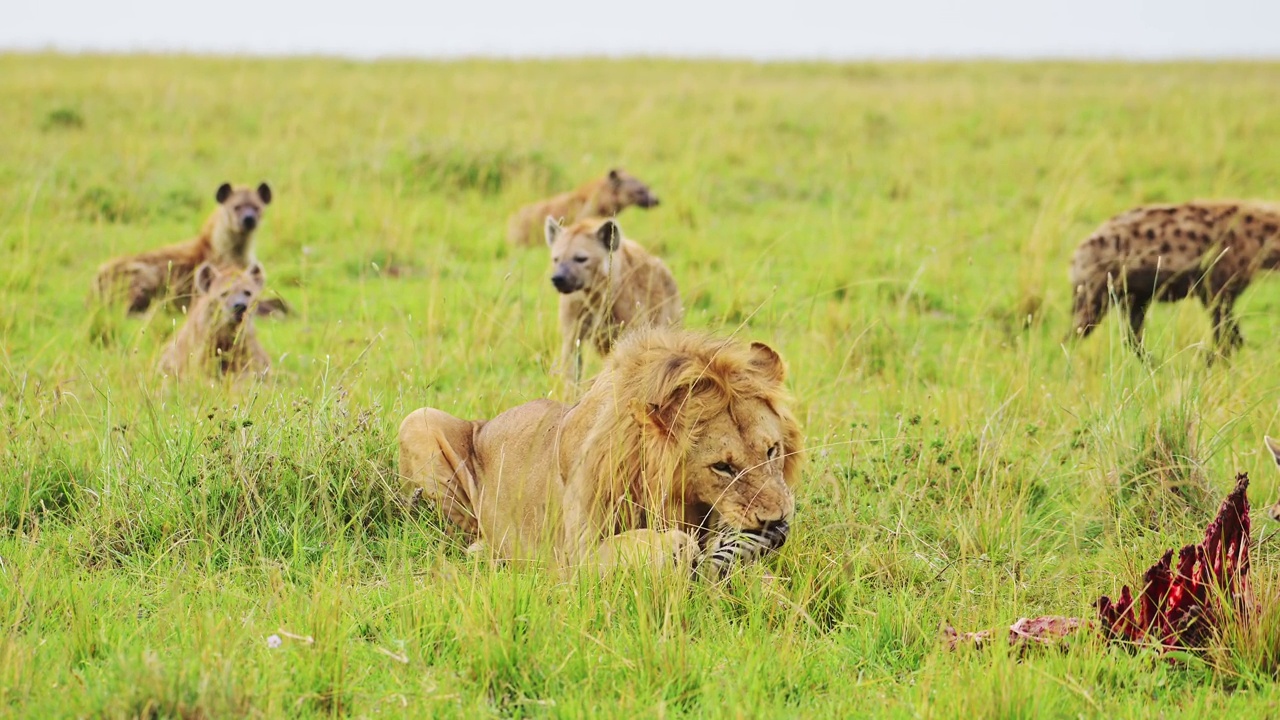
748,28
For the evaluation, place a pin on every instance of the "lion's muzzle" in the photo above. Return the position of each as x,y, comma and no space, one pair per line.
730,547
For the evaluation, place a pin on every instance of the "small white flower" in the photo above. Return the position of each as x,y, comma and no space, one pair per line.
274,641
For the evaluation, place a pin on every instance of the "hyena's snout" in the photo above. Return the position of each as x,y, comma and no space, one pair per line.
565,282
249,219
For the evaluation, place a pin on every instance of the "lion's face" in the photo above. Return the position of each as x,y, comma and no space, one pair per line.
580,253
735,468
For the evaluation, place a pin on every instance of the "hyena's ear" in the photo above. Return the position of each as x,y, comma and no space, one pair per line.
264,193
257,274
1274,446
224,192
615,176
552,229
206,276
768,362
609,235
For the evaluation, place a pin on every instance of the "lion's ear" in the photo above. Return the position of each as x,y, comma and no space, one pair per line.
661,416
768,362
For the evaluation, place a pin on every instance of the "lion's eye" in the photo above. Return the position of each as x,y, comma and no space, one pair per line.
723,468
773,451
580,259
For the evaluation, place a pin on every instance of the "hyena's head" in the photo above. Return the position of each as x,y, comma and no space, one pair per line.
225,298
242,206
581,253
1274,446
626,190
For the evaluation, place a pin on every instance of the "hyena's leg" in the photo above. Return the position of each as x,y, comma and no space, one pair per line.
1219,296
1089,306
1137,306
436,464
570,365
1226,329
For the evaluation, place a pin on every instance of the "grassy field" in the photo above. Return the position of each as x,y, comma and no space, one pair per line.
899,232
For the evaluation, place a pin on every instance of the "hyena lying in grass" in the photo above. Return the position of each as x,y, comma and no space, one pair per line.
1209,249
603,197
226,241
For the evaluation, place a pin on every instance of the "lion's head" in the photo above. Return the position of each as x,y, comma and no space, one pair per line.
694,433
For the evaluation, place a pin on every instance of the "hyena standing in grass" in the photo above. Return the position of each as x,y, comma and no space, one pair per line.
602,197
1209,249
226,241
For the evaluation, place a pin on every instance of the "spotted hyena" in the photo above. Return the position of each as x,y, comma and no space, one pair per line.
607,283
603,197
225,241
219,334
1209,249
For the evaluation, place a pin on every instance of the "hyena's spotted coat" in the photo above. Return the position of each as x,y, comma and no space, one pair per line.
1209,249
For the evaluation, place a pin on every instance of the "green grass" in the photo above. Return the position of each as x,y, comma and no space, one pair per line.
899,232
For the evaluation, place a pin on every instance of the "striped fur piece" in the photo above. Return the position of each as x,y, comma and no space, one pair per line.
730,547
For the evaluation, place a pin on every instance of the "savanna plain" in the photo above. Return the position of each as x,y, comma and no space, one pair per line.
900,233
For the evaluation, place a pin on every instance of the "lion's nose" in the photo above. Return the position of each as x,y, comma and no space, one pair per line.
769,516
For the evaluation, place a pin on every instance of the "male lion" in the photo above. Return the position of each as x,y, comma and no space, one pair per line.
681,439
607,283
218,334
602,197
226,241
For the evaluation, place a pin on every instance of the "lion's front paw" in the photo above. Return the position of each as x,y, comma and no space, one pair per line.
660,550
681,547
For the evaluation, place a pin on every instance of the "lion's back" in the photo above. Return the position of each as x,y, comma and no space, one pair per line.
523,439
